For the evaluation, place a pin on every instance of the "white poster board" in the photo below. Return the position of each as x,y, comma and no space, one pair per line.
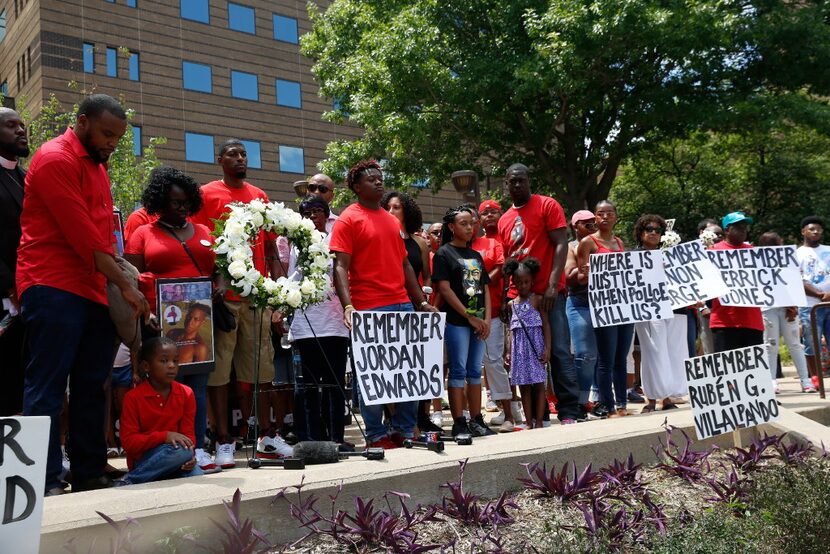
398,356
627,287
766,276
23,445
691,275
731,390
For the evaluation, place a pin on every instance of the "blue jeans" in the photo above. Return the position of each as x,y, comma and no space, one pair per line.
691,334
404,418
465,352
70,338
562,372
613,344
584,344
198,382
823,326
162,462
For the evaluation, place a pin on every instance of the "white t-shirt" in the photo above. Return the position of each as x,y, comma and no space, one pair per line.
815,268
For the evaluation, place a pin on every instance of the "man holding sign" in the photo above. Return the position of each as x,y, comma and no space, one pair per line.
372,273
814,260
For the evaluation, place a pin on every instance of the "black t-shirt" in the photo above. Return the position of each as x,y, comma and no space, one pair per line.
464,269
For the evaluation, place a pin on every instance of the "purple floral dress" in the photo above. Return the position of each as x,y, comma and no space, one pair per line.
525,367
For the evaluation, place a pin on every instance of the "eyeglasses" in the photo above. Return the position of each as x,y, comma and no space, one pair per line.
587,224
313,211
176,204
659,230
322,189
435,233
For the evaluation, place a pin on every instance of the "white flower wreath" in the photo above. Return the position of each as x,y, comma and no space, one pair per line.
234,235
669,239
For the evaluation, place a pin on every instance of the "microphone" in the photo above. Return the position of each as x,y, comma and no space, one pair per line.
327,452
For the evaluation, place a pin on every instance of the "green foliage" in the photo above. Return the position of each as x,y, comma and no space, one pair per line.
570,87
128,172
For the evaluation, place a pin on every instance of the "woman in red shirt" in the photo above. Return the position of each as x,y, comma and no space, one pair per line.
173,247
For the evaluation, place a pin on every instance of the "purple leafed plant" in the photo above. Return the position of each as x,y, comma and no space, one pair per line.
622,476
467,508
749,459
239,535
123,541
559,485
732,490
682,461
795,453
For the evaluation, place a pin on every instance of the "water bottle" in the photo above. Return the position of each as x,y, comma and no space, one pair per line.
285,342
296,363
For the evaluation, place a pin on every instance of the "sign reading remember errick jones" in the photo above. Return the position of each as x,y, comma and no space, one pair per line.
398,356
626,287
764,276
730,390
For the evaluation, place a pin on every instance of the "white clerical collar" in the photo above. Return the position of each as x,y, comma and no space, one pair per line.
7,164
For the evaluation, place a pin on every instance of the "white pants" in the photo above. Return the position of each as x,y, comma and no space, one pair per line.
497,378
664,350
777,326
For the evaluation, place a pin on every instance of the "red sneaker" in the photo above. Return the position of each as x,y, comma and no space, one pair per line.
552,407
397,438
386,443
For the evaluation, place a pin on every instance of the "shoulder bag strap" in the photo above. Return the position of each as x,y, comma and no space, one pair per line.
186,248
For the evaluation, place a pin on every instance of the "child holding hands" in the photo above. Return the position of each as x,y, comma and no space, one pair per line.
530,344
157,422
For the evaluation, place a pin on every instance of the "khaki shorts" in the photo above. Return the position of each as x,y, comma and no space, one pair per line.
236,348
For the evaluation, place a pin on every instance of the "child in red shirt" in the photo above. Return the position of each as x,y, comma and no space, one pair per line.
158,418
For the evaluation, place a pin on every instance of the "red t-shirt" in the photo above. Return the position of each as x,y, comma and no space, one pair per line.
67,216
492,253
373,239
135,220
524,232
216,196
734,316
164,256
146,418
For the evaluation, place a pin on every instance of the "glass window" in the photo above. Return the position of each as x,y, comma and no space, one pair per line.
291,159
4,88
2,24
241,18
285,29
134,74
198,148
111,1
131,3
112,62
254,151
89,58
136,140
244,85
195,10
197,76
288,94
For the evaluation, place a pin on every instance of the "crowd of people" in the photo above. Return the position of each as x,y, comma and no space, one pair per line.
82,341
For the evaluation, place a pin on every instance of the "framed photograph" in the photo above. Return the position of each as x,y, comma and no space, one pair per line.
185,313
117,232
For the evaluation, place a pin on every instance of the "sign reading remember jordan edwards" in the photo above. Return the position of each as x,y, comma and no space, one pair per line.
398,356
730,390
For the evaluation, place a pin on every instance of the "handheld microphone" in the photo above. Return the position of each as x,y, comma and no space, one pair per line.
327,452
434,446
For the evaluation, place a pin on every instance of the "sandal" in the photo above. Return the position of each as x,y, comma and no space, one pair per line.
648,408
669,406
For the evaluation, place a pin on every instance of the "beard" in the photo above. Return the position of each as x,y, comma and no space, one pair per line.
242,174
21,151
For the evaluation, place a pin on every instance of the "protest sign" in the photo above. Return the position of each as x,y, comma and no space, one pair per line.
398,356
23,444
731,390
627,287
766,276
185,312
691,276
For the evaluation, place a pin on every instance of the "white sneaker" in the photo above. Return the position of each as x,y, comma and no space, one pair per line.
497,419
490,406
545,423
518,411
206,462
437,418
65,466
288,419
224,455
274,447
506,427
775,386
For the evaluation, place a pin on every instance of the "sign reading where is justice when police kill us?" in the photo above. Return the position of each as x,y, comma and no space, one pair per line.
764,276
627,287
398,356
731,390
691,276
23,443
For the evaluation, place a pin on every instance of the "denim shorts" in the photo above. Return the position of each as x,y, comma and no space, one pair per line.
122,376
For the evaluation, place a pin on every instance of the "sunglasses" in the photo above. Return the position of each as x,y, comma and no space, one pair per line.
659,230
587,224
435,233
176,204
313,211
322,189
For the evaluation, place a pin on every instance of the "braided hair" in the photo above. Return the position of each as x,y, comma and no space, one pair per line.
449,217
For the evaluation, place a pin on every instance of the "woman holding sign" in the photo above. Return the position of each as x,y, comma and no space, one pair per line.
662,340
613,342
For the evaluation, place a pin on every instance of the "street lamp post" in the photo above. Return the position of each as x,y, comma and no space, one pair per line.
465,183
301,188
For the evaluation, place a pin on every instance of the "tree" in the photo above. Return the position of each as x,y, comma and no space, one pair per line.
569,87
128,172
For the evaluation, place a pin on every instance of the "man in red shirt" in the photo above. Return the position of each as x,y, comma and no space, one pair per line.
535,226
735,326
372,273
234,348
64,261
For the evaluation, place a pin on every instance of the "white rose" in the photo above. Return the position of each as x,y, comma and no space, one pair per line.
237,269
257,220
320,262
470,291
294,298
293,221
307,287
252,276
238,255
257,205
270,286
234,230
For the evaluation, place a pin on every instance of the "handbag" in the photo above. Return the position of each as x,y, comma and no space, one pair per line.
223,318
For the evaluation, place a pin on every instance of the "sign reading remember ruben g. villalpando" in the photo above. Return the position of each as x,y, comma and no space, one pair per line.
730,390
398,356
